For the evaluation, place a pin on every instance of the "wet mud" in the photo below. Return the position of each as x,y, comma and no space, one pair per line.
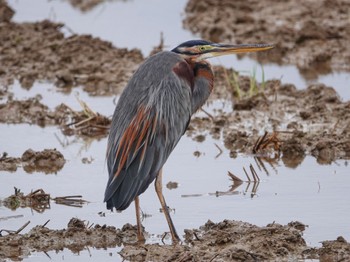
313,35
313,121
224,241
77,236
47,161
31,111
41,51
270,118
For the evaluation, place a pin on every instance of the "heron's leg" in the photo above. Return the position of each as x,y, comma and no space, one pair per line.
158,185
140,236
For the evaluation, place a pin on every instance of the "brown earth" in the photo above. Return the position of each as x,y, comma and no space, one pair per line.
40,51
84,123
299,122
224,241
312,34
46,161
309,121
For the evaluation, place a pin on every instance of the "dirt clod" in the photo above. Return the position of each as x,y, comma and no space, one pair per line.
47,161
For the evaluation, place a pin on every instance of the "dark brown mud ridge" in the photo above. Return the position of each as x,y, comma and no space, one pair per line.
298,122
77,236
46,161
224,241
313,35
40,51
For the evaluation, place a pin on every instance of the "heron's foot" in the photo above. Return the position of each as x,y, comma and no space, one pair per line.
176,240
140,237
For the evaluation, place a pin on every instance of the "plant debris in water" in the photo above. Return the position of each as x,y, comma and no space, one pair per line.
39,200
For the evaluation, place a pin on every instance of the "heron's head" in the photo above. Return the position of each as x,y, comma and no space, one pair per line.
200,49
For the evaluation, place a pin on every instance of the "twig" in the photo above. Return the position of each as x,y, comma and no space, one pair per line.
22,227
234,178
246,175
192,195
214,256
164,235
99,126
9,217
259,142
45,223
209,115
260,165
85,120
87,110
65,197
196,236
221,151
47,255
255,175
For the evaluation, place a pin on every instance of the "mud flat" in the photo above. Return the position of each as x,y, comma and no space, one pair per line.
224,241
313,35
313,121
272,118
41,51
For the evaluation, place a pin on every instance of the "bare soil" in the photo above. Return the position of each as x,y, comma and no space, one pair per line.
310,121
224,241
83,123
297,122
312,34
41,51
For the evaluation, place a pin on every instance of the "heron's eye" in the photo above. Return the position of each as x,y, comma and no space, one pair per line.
202,48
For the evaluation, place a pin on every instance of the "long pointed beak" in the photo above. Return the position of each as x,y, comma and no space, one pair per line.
224,49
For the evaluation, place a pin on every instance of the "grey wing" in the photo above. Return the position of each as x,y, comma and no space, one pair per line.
150,119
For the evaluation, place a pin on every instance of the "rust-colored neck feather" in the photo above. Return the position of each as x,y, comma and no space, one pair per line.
185,71
203,69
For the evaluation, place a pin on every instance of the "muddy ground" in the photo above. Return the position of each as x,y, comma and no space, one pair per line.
312,34
41,51
297,122
46,161
224,241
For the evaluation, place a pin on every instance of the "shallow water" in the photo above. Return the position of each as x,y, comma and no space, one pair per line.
314,194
